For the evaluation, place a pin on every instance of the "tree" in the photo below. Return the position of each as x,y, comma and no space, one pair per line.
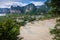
55,7
9,30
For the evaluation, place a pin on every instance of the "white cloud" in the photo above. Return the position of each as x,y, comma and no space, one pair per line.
8,4
38,3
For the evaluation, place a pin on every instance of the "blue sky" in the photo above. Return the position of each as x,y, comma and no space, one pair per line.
27,1
8,3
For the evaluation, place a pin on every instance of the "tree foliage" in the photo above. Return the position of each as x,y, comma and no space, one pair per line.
55,7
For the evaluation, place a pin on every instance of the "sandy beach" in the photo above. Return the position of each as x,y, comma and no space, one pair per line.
38,30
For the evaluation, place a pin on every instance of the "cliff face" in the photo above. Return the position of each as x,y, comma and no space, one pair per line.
29,9
15,9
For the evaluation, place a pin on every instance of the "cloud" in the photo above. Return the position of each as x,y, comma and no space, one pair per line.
38,0
38,3
9,0
8,4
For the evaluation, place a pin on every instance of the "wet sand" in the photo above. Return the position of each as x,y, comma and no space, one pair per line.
39,30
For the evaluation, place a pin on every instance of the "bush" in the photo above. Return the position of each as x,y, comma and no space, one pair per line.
9,30
56,31
31,19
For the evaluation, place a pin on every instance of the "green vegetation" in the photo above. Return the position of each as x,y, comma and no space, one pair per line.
9,29
54,6
55,12
56,31
10,24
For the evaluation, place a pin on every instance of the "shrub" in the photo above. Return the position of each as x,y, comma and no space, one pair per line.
9,30
56,31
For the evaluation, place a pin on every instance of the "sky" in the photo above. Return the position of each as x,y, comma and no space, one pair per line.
8,3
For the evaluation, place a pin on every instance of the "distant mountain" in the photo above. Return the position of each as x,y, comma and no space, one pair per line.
28,9
4,10
31,8
16,9
42,9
